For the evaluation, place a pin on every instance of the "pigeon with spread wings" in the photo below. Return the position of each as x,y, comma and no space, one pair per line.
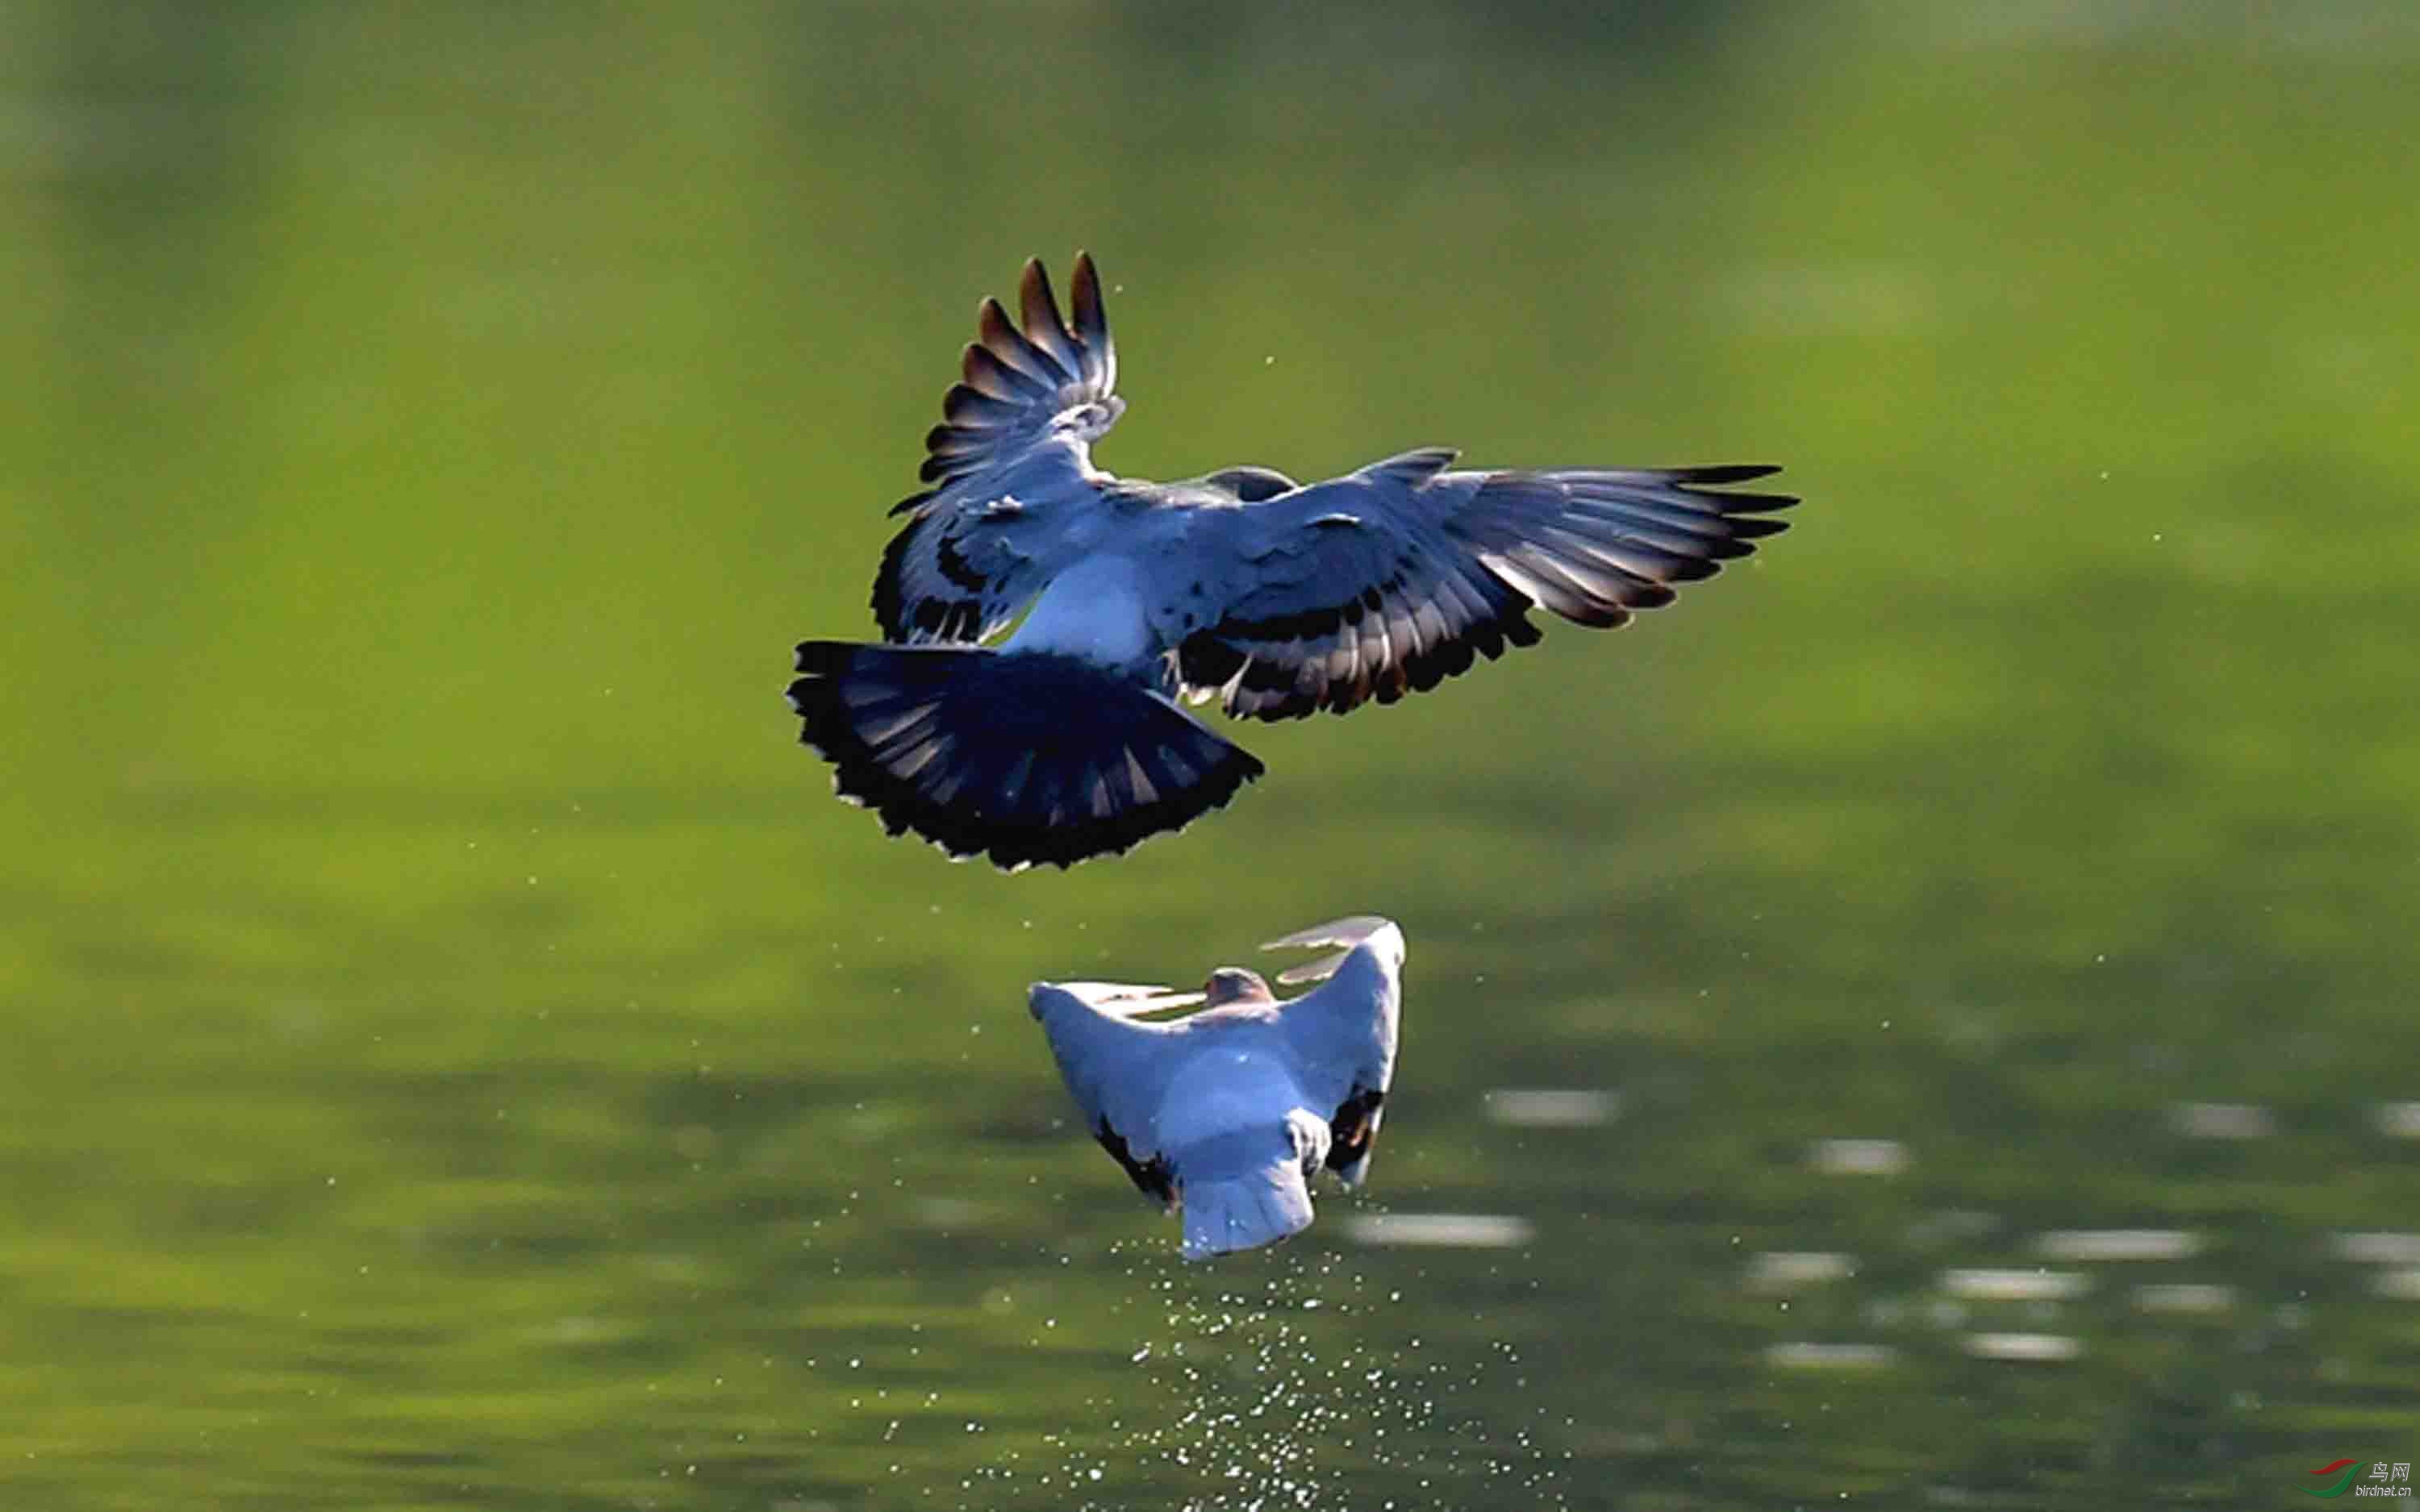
1229,1112
1066,739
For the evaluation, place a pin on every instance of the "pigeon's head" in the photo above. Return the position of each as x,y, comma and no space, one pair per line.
1235,985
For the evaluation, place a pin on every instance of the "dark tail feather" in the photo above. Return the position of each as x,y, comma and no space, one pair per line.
1022,756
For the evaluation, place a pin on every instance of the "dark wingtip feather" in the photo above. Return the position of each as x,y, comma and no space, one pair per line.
966,405
1038,309
1726,472
1091,319
1152,1177
1007,372
1704,483
1037,306
1030,370
820,658
890,602
1746,503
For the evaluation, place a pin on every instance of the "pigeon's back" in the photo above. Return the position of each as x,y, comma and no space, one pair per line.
1234,1072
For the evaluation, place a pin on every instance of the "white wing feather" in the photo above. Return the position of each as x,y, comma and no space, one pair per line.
1344,1032
1117,1068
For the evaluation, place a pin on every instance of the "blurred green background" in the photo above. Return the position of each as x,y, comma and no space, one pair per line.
459,1056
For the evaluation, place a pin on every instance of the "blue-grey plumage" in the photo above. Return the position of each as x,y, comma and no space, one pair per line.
1275,598
1229,1112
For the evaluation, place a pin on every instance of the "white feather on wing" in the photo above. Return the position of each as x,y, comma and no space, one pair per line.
1344,1032
1118,1070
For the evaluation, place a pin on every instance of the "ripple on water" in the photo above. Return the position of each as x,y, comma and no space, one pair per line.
2398,1120
2010,1285
1777,1270
2024,1347
1858,1157
1541,1108
2402,1286
2222,1120
2119,1243
1803,1354
2376,1247
1442,1230
2183,1297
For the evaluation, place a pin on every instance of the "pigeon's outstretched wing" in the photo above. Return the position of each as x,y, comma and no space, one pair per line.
1392,579
1126,999
1118,1069
1344,1033
1015,494
1351,932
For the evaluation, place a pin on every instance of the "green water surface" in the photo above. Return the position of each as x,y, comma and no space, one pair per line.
458,1056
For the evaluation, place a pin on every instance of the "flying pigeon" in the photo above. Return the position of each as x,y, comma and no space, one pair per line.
1065,741
1228,1113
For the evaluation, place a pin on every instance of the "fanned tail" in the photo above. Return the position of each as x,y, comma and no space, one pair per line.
1025,757
1245,1212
